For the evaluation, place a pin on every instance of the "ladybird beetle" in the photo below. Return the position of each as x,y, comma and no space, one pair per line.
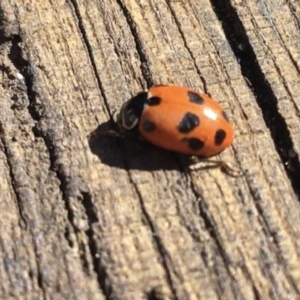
179,119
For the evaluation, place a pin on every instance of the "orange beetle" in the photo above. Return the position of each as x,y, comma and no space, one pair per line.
179,119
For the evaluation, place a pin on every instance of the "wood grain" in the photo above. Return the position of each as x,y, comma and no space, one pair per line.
105,218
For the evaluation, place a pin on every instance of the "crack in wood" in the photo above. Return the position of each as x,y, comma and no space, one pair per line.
99,267
145,69
158,243
266,99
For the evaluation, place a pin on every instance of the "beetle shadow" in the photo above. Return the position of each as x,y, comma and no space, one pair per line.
131,152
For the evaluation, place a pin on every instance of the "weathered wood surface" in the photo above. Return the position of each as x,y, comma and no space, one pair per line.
109,219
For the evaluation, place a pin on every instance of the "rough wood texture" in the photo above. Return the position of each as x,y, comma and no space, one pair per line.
110,219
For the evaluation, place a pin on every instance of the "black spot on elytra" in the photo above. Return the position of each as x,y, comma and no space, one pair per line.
148,126
225,116
195,98
193,143
220,137
188,122
153,101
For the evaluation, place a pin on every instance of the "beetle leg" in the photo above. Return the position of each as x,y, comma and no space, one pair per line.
113,133
227,167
